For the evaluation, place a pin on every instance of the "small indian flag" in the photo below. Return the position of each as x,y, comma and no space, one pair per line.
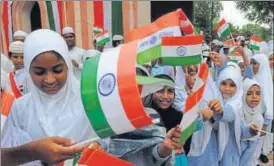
102,38
149,36
223,29
231,51
255,43
185,24
192,109
183,50
97,30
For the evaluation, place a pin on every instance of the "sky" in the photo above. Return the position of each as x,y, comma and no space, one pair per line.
233,15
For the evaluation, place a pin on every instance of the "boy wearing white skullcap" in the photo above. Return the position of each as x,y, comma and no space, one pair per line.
17,77
76,54
19,35
117,40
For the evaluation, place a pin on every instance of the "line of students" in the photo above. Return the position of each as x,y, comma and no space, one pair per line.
230,116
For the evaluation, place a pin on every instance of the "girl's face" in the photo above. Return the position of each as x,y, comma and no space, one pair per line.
164,98
228,88
271,61
255,65
253,96
49,72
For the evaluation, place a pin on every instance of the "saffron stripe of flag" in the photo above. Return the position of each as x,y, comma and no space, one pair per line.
94,157
102,38
255,43
184,50
191,114
110,94
185,24
149,36
223,29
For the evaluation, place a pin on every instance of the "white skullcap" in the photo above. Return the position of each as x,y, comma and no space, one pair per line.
16,47
264,48
20,33
67,30
117,37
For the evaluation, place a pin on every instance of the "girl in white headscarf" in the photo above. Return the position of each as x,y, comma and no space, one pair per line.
252,115
53,107
229,135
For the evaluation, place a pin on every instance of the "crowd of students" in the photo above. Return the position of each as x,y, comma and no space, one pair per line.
41,98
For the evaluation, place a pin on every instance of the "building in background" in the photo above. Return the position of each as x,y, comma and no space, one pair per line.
119,17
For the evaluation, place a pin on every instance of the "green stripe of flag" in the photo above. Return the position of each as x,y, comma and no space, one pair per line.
117,18
225,33
91,100
254,47
188,132
149,54
103,42
181,61
50,15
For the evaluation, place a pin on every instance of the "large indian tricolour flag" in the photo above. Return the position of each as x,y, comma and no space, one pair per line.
223,29
110,93
192,111
149,36
183,50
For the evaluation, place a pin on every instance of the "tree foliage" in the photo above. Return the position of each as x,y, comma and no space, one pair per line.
257,30
206,16
258,11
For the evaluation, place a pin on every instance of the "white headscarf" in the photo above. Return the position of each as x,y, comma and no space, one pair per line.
264,49
264,77
61,114
233,72
251,115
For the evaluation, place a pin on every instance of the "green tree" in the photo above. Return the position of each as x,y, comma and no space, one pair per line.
257,30
206,14
258,11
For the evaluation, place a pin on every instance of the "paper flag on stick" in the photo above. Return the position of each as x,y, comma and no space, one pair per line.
223,29
149,36
185,24
183,50
191,113
93,157
110,92
255,43
102,38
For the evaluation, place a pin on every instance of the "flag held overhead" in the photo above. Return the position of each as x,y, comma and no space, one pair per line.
223,29
183,50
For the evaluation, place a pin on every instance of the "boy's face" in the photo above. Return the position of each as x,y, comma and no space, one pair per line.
17,60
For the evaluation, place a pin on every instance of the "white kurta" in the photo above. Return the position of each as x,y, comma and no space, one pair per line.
6,64
20,81
77,54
